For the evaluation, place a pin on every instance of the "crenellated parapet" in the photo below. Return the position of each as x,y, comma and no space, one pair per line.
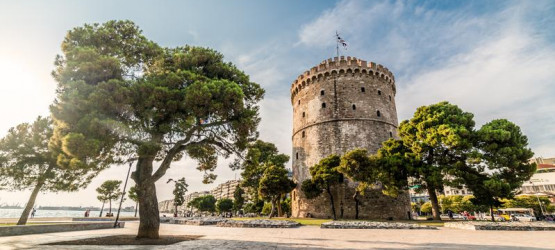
339,66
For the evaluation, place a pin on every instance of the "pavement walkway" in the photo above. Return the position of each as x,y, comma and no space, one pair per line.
306,237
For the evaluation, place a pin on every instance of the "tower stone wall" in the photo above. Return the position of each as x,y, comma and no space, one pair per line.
342,104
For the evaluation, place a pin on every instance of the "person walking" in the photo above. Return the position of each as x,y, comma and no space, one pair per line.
33,213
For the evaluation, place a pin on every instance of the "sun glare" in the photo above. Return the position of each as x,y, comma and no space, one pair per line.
23,94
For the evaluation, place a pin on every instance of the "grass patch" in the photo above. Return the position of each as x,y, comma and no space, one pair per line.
302,221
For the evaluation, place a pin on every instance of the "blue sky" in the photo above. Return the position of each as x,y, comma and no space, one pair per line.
495,59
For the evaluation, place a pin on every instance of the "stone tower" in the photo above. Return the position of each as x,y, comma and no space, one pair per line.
342,104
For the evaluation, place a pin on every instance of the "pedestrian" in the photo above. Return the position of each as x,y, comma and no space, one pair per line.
450,213
33,213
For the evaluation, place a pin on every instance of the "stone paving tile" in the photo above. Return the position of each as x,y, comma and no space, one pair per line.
306,237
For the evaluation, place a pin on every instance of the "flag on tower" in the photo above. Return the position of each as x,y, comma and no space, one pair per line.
341,41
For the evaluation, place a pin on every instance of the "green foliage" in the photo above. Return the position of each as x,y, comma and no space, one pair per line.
109,190
27,160
179,191
458,203
132,194
238,199
206,203
310,189
526,201
500,163
267,208
254,207
224,205
325,175
286,206
259,155
359,167
274,183
439,135
426,207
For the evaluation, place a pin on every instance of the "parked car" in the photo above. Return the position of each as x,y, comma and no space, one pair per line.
455,217
525,217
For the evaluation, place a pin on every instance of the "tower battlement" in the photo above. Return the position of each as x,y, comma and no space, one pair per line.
340,66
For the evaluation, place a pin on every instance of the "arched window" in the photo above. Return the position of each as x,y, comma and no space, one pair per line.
354,107
362,89
322,92
303,114
323,105
390,135
297,156
302,134
379,92
378,113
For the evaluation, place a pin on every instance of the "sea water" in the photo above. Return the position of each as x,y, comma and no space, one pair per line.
16,213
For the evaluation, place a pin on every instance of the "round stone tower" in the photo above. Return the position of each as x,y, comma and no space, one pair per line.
339,105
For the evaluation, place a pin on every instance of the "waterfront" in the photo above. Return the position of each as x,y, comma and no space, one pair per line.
15,213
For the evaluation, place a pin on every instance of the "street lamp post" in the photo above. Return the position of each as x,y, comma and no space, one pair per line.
537,197
123,193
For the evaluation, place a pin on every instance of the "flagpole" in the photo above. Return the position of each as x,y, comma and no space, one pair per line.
337,43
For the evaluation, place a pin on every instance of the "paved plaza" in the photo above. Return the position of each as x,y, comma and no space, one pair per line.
305,237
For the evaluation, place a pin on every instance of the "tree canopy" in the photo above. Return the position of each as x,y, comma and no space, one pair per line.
238,199
206,203
500,163
273,184
109,191
224,205
440,136
324,176
259,156
29,161
179,191
122,96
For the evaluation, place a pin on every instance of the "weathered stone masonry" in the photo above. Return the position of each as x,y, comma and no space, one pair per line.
342,104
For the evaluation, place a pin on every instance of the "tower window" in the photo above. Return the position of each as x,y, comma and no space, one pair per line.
303,114
390,98
323,105
362,90
378,113
299,102
390,135
354,107
302,134
297,156
379,92
322,92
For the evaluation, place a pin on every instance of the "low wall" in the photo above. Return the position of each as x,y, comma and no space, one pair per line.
104,219
506,226
54,228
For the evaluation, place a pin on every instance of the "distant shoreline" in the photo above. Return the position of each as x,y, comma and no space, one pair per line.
127,209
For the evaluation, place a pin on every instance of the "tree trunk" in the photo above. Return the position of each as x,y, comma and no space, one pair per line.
435,203
331,202
176,213
491,213
280,213
30,204
101,209
110,210
355,197
149,215
136,207
273,208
